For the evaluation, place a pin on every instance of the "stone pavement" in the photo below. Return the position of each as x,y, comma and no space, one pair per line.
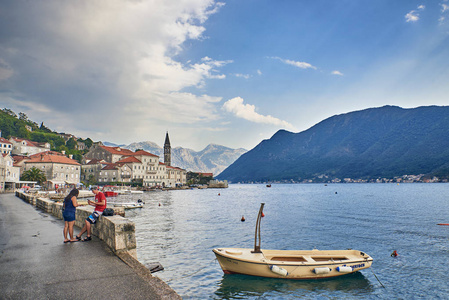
36,264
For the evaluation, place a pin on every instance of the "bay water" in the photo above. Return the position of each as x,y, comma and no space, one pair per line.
180,228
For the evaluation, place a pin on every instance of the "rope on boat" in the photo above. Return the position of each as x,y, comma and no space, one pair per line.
377,278
191,274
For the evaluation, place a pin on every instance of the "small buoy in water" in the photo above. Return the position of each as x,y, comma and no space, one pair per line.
218,194
394,254
243,219
263,215
159,204
336,193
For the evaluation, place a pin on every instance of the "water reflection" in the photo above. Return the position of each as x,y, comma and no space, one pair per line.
244,287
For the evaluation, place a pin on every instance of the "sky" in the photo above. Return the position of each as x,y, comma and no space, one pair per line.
231,73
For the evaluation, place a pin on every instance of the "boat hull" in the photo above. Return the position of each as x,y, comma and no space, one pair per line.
292,264
129,205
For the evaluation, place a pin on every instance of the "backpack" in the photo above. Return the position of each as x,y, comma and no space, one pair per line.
107,212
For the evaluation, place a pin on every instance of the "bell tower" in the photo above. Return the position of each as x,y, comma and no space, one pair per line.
167,151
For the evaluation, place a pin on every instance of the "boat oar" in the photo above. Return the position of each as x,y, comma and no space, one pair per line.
445,224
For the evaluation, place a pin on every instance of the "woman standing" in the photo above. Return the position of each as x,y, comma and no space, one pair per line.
69,211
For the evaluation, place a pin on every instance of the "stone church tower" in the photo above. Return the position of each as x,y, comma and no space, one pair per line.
167,151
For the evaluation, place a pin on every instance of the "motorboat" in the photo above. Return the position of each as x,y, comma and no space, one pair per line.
290,264
129,205
109,191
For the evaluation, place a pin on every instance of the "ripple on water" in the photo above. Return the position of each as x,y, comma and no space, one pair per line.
374,218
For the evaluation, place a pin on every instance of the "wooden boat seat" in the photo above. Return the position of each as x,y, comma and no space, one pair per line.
329,258
288,258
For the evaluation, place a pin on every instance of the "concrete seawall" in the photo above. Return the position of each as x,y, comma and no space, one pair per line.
117,232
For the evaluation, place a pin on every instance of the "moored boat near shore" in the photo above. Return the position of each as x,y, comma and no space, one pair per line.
290,264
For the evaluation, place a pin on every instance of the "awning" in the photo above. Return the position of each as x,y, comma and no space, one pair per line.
56,182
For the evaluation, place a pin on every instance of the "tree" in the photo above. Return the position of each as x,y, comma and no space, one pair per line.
34,174
71,144
88,142
10,112
23,116
44,128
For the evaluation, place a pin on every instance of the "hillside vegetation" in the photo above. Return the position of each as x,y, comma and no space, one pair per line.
13,125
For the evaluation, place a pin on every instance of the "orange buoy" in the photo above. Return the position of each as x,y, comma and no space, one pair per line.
394,254
243,219
263,215
218,194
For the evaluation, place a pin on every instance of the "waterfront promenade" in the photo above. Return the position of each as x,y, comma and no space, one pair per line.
36,264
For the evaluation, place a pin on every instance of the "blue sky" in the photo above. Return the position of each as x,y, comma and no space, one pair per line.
226,72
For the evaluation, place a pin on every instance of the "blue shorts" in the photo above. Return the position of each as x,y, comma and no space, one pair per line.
68,216
93,217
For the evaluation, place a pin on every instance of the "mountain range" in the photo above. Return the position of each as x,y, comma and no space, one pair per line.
212,159
373,143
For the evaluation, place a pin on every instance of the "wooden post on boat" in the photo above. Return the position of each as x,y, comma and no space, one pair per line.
257,233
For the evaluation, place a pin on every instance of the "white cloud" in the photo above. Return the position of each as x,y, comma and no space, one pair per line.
337,73
298,64
248,112
112,56
412,16
444,7
246,76
259,72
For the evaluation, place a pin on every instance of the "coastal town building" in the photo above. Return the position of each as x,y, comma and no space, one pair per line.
2,174
11,172
26,147
5,146
106,153
176,176
58,168
118,165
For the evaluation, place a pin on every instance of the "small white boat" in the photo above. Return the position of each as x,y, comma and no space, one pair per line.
130,205
290,264
129,192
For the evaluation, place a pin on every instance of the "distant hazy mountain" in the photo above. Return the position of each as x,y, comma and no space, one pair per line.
377,142
108,144
212,159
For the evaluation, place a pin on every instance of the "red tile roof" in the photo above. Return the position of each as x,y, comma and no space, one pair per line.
176,168
51,158
94,161
110,167
117,150
47,153
143,152
4,141
129,159
27,142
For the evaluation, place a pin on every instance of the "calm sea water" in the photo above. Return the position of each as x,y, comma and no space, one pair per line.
179,229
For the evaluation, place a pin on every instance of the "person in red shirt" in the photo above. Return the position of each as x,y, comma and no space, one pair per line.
100,205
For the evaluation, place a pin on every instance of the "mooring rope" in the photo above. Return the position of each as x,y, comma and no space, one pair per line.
191,274
377,278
